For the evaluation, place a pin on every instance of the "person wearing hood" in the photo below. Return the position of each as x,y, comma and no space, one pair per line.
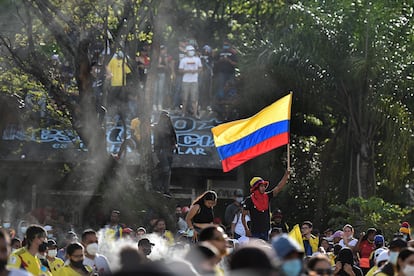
345,265
98,262
257,206
290,255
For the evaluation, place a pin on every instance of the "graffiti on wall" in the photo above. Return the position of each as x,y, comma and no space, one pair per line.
193,136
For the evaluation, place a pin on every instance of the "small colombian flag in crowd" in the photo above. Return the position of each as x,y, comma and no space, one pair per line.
242,140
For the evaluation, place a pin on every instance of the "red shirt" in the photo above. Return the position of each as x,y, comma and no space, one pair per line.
365,249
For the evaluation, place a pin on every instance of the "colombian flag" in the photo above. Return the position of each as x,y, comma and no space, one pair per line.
242,140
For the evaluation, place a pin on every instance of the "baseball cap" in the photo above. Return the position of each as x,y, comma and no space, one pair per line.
145,242
51,243
284,245
398,243
257,181
379,239
142,229
338,234
383,256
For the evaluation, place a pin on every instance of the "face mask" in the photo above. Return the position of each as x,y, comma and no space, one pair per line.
77,264
226,47
408,270
50,236
92,248
6,225
292,267
52,253
239,199
23,229
405,237
191,53
393,257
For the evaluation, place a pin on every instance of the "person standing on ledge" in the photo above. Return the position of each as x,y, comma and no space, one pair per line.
257,206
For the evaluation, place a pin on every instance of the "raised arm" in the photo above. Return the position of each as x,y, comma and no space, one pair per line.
281,183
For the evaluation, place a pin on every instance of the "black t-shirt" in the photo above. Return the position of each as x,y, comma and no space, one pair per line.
260,221
204,215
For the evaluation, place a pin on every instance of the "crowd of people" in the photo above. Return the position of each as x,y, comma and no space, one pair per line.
190,80
251,240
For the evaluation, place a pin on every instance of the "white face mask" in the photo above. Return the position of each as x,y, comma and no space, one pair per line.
408,270
92,249
52,253
191,53
23,229
239,199
6,225
393,257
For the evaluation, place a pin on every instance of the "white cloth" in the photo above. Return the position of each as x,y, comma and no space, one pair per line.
99,264
190,63
239,228
352,243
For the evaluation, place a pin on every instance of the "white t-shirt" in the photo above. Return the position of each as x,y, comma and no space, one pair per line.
239,228
99,264
190,63
352,243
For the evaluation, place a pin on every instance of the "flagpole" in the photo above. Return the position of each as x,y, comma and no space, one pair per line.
288,156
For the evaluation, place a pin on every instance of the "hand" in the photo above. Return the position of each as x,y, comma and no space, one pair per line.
195,236
338,267
348,269
248,233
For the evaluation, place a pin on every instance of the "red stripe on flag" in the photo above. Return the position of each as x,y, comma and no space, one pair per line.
263,147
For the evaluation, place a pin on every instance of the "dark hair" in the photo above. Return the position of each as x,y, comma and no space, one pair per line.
404,254
316,259
14,240
130,258
308,223
87,232
73,247
34,231
207,195
251,258
369,231
208,233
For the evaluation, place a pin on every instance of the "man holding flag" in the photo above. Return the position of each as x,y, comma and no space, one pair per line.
257,206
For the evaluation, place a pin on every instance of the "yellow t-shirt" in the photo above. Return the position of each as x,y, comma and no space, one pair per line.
115,66
22,259
67,270
55,265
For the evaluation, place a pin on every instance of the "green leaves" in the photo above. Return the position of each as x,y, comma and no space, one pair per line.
371,212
